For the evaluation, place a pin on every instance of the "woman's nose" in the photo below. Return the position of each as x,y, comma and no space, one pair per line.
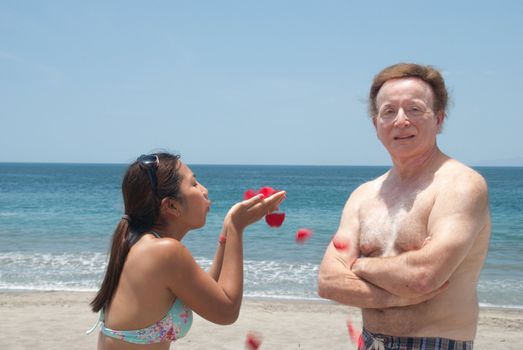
205,191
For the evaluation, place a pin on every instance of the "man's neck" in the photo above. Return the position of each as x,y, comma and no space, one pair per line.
413,167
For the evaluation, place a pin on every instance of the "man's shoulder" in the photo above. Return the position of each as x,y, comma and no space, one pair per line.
458,177
368,188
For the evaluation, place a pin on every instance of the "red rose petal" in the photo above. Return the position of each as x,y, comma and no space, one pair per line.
253,341
222,239
355,336
249,194
340,244
275,219
267,191
303,234
360,342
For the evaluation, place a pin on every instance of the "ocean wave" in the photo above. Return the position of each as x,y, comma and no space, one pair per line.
88,261
44,288
263,279
500,306
84,271
263,296
499,284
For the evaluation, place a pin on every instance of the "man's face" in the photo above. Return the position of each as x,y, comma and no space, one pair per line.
406,123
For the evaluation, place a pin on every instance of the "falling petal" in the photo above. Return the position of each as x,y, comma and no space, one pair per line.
275,219
253,341
355,336
340,244
267,191
249,194
303,234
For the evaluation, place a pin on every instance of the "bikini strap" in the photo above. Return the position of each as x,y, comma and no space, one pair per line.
156,234
98,323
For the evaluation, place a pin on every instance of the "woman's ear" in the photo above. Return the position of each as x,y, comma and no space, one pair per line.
171,206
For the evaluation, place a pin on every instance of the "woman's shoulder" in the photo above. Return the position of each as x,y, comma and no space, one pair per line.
160,253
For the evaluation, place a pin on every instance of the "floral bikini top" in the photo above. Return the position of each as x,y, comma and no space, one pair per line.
174,325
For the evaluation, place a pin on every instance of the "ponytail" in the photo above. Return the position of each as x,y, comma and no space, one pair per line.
120,247
142,204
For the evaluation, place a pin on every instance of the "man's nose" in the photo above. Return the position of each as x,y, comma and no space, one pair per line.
401,119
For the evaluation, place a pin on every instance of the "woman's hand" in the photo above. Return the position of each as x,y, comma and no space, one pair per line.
249,211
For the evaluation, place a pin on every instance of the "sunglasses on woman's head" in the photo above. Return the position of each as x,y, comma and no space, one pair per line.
150,162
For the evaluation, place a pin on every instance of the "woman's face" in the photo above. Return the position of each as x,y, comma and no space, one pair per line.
196,204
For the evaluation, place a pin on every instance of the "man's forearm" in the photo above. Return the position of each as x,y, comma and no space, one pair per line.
349,289
396,274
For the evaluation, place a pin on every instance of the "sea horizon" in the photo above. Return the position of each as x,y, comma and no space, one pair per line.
256,165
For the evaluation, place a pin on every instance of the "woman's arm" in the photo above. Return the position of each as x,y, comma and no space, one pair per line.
216,266
217,301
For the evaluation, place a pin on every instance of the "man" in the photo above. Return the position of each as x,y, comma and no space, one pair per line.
411,243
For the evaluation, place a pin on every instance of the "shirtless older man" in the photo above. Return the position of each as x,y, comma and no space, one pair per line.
418,235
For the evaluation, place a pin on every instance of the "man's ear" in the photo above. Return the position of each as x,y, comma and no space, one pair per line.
375,123
440,117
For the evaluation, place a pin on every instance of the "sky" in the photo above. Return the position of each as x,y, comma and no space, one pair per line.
249,82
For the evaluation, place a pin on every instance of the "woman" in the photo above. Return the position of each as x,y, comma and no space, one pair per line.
152,281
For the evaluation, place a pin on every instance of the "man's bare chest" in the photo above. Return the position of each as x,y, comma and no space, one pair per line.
390,227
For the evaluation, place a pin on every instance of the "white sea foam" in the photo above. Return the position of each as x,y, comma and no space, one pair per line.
499,284
44,288
281,297
84,271
496,306
263,279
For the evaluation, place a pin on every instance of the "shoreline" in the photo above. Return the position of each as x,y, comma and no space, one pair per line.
55,320
515,308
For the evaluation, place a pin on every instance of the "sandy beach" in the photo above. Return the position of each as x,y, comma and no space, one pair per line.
58,320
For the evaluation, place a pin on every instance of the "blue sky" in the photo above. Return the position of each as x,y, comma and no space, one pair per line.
248,82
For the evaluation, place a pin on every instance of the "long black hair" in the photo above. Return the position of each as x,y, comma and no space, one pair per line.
142,210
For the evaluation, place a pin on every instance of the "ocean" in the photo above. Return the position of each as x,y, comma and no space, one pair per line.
56,221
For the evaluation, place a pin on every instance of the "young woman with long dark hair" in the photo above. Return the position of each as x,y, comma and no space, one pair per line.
152,283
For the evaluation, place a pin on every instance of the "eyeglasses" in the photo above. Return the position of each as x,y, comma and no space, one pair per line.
150,162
